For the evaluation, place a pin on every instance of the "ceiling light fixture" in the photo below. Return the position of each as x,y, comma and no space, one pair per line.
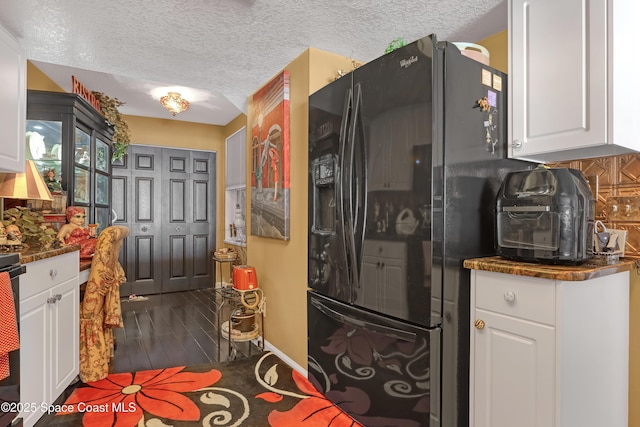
174,103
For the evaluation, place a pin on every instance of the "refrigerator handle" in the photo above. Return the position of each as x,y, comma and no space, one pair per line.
359,164
363,324
345,123
346,196
353,231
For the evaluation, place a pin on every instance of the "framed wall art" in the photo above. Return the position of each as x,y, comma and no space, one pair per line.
270,159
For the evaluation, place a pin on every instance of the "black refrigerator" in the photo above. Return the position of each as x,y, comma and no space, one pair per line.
406,156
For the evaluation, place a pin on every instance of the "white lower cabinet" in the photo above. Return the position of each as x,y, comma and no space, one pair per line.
384,277
548,353
49,332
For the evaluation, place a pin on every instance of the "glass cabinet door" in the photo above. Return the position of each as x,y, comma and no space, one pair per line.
102,189
102,218
81,185
102,155
44,146
83,148
81,175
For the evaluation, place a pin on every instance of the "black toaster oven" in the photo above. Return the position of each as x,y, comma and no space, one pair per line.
545,215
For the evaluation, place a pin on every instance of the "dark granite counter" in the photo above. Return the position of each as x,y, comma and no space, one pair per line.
35,254
555,272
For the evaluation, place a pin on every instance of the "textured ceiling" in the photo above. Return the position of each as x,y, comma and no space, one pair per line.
218,52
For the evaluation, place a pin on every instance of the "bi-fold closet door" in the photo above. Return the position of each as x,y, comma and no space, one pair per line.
167,198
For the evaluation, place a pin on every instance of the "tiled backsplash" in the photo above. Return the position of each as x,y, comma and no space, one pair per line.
616,180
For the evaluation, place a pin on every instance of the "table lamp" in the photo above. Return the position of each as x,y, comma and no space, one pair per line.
26,185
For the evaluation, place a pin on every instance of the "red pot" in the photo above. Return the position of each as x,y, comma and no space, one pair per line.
244,278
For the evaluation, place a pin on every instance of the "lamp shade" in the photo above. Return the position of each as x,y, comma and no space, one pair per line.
27,185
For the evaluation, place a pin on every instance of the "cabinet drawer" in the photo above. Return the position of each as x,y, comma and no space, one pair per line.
385,249
518,296
43,274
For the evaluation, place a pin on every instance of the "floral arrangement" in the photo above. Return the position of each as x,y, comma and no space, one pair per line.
121,135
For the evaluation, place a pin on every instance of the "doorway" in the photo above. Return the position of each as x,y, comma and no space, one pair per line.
167,198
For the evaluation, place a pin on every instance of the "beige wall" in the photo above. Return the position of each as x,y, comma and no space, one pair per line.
281,266
37,80
498,46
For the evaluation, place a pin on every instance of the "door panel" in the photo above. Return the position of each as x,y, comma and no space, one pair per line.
201,262
119,212
177,202
202,220
143,249
176,230
167,198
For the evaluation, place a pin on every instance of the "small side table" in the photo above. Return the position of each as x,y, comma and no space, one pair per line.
218,263
231,299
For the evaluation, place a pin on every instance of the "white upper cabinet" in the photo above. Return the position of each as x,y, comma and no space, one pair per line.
13,96
573,79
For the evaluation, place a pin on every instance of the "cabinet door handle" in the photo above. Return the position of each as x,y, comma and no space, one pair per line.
51,300
58,297
509,296
479,324
516,144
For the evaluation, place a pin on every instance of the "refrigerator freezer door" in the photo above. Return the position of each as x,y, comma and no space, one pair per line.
376,369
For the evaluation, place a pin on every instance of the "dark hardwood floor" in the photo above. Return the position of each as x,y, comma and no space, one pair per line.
172,329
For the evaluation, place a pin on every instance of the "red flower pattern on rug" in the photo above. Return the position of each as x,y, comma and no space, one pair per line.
314,410
259,391
120,399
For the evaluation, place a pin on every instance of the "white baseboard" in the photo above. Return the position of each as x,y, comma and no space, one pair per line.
285,358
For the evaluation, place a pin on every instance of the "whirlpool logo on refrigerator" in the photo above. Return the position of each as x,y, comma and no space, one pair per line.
405,63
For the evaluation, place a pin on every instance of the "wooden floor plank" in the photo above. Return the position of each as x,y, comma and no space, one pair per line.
174,329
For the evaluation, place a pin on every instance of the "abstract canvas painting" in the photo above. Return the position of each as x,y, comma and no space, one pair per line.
270,159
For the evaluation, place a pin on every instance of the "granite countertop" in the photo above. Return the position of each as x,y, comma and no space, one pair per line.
85,264
36,254
585,271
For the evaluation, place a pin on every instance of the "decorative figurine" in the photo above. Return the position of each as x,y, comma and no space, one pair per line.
52,183
10,238
14,235
75,233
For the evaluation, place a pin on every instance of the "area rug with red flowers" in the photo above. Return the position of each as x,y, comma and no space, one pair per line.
257,391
